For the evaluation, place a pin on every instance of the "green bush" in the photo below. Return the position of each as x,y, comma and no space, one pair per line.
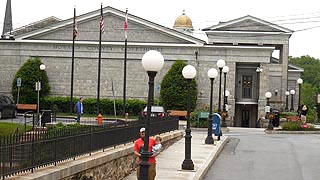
62,104
30,73
194,117
310,115
173,89
61,126
285,114
296,126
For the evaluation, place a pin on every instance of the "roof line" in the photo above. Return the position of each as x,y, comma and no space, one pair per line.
110,9
252,18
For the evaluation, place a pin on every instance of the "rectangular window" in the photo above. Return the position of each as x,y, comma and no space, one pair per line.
245,117
246,86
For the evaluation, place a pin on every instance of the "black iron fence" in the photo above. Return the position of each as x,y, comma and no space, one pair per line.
21,153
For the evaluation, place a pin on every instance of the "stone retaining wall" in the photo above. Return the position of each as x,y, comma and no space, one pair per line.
114,164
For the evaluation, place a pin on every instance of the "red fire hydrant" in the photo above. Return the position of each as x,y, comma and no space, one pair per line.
99,119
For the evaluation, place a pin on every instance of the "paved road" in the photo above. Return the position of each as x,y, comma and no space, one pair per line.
251,154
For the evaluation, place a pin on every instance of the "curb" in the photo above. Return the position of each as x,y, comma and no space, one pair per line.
202,171
291,132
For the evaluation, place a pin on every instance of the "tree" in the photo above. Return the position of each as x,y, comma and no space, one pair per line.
311,68
30,73
174,89
310,85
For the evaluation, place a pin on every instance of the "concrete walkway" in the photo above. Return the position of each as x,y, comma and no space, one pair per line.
203,155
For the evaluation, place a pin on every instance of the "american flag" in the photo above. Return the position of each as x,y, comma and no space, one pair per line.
101,21
75,25
125,25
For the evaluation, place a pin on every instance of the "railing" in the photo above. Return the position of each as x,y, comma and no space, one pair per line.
20,153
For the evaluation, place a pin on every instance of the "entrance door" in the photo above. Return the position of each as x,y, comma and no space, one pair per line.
245,118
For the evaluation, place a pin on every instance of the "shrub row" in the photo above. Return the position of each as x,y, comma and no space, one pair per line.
62,104
296,126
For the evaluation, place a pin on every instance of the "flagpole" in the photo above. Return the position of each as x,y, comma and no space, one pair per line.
72,62
125,64
99,61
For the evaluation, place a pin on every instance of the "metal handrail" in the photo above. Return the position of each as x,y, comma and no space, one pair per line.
25,119
41,148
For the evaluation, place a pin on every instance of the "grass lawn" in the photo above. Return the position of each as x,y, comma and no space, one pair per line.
10,128
93,115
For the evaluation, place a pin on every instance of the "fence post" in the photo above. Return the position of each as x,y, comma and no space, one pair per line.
90,139
74,146
32,120
2,158
11,149
32,147
55,149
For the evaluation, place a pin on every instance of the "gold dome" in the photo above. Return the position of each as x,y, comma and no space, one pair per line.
183,21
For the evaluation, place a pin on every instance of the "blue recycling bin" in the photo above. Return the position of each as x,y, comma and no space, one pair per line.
216,125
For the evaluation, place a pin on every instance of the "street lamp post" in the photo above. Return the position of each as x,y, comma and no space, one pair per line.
287,97
188,72
268,96
227,93
292,92
220,64
299,81
212,74
152,62
42,68
225,70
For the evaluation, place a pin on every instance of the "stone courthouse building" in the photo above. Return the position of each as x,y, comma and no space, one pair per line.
246,44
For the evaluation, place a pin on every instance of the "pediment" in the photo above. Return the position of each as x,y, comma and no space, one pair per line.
139,30
248,24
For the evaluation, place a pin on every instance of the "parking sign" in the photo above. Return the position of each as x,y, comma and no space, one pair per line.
18,82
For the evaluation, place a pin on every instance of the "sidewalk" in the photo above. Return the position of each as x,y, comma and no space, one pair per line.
203,155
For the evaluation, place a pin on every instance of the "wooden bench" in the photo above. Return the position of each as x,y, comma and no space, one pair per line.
179,113
26,107
293,118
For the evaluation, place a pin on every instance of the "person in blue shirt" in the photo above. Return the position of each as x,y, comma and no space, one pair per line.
79,107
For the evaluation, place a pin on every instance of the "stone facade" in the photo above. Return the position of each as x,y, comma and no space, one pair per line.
244,43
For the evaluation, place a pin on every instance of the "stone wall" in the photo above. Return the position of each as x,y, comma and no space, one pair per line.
117,165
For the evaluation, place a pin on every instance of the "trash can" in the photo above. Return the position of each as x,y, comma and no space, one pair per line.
216,118
45,117
276,120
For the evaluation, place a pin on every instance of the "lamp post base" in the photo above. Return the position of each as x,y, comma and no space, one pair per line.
270,126
188,164
224,124
209,140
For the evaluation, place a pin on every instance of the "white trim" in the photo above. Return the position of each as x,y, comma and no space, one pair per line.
116,12
248,17
239,47
295,70
36,22
106,43
52,27
247,32
246,102
142,44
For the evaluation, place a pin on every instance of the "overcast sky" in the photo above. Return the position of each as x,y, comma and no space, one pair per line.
301,16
